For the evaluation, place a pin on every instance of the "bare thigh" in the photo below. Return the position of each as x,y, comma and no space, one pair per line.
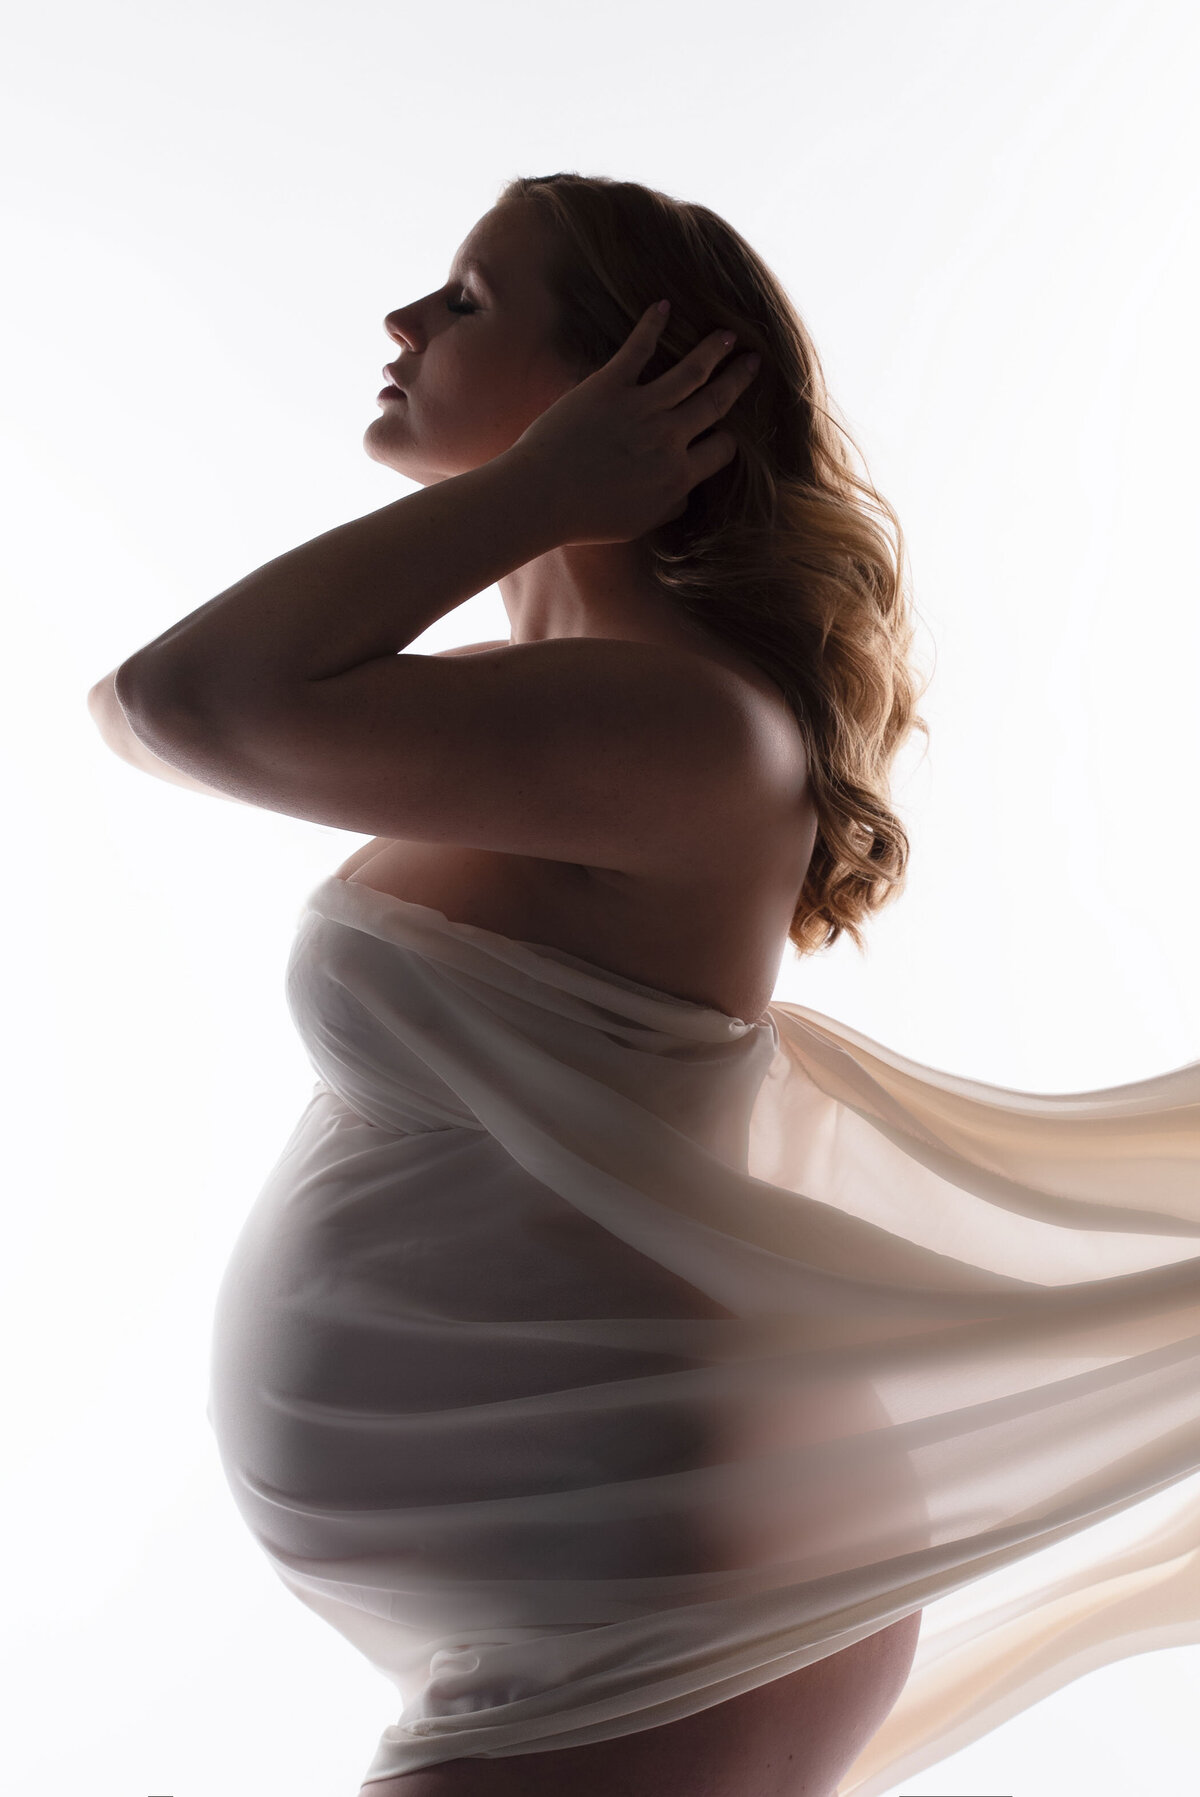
793,1737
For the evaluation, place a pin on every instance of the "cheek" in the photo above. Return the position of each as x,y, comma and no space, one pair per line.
472,384
499,401
483,394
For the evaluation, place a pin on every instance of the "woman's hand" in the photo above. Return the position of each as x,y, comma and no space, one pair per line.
615,458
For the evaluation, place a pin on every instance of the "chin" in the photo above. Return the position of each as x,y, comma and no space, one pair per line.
399,463
380,450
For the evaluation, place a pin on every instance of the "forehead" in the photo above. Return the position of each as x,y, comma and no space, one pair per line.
506,248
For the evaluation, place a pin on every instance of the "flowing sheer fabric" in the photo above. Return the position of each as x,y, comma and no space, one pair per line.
590,1357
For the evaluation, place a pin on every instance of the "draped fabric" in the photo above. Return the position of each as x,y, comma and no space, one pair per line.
590,1356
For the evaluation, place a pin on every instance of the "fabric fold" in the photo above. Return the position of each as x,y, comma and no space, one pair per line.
590,1356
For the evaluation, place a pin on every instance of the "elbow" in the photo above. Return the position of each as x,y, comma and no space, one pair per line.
129,687
152,708
150,696
99,700
106,713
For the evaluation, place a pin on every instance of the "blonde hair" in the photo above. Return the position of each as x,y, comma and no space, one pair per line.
785,552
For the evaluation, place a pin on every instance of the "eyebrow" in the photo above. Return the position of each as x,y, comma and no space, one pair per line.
482,270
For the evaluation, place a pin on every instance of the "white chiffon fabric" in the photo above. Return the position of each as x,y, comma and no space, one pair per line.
590,1356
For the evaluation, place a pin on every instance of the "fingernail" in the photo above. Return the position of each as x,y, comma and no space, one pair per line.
663,306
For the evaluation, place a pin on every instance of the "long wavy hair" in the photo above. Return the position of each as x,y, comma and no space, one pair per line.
786,552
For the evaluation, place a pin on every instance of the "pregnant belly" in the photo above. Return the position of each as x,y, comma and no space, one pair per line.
419,1349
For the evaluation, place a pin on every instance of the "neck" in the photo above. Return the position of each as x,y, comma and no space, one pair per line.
587,589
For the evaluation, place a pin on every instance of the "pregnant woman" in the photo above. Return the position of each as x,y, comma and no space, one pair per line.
650,1378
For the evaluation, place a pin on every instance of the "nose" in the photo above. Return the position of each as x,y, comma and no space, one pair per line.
399,327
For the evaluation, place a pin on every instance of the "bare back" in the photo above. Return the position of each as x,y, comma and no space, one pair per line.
708,925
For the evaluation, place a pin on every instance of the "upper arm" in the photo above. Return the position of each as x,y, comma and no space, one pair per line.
474,648
574,749
108,714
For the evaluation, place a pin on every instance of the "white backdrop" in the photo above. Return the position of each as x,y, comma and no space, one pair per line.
986,214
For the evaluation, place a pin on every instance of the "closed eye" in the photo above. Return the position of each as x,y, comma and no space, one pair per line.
459,306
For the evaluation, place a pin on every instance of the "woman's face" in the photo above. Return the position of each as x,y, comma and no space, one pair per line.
473,361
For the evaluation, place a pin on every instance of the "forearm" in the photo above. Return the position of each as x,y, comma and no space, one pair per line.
358,592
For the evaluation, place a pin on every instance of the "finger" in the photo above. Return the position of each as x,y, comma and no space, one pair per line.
640,344
715,398
692,370
714,452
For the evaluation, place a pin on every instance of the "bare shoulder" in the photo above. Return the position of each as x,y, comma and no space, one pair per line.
730,717
728,688
737,677
719,705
